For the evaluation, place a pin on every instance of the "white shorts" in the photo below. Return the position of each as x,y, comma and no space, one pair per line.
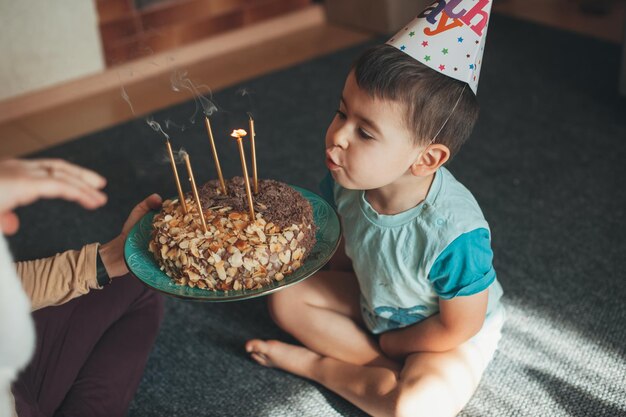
486,340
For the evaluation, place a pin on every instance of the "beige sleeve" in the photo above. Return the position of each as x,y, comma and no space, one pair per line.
60,278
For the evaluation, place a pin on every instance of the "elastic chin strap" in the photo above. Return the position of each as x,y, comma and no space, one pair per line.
449,116
444,123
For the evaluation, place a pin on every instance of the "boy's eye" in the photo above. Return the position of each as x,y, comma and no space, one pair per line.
341,114
364,135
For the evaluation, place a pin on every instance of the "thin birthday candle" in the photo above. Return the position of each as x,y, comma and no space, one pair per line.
215,158
253,147
181,196
238,134
195,191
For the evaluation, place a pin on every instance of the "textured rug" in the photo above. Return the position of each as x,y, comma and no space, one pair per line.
546,163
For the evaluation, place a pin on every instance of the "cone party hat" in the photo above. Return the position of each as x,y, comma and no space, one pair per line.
449,37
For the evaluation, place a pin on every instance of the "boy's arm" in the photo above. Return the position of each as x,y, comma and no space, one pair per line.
458,320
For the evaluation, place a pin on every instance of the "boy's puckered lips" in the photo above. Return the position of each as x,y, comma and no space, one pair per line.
330,162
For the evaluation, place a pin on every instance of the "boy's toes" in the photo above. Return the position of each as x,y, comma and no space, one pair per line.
261,359
258,350
256,346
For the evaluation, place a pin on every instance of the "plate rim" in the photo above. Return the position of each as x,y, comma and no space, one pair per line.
239,297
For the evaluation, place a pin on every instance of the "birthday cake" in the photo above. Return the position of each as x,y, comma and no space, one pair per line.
236,252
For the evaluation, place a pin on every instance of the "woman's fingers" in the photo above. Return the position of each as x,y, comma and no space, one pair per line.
25,181
89,195
59,167
67,189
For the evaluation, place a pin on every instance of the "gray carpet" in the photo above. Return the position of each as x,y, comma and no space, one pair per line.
546,162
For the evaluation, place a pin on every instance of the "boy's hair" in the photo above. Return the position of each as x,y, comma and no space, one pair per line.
385,72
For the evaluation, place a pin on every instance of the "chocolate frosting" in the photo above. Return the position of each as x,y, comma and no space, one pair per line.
279,203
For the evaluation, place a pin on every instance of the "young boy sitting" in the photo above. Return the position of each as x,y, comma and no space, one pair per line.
408,316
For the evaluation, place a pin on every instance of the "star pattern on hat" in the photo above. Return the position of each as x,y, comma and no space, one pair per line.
441,44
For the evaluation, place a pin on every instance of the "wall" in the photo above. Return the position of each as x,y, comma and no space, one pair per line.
45,42
128,32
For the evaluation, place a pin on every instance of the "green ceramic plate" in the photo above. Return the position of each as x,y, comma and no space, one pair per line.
141,263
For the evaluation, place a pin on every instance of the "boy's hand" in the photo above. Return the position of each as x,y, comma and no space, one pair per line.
112,253
458,320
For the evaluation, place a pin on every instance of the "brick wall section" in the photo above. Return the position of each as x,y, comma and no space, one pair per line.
128,33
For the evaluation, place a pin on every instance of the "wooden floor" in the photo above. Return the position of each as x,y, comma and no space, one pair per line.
45,118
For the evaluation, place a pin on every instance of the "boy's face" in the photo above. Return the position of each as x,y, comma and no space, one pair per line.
368,145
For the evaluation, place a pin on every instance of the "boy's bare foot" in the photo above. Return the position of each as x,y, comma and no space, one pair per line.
275,354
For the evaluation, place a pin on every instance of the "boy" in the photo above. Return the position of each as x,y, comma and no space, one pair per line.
408,316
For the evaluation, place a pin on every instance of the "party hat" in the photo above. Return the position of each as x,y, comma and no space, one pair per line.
449,37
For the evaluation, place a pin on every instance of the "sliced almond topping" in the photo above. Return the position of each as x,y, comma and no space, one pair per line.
193,277
236,260
285,256
221,272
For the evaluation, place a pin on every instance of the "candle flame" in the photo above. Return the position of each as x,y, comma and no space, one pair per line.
238,133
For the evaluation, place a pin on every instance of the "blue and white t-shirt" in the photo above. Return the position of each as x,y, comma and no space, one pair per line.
406,262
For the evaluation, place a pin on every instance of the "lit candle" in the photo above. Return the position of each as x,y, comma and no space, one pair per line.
253,146
195,191
181,196
238,134
215,158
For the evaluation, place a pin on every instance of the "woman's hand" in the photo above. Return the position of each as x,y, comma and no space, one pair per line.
23,182
112,253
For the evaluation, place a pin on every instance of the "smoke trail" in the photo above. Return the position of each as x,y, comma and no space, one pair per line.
180,154
127,99
156,126
170,122
244,92
180,80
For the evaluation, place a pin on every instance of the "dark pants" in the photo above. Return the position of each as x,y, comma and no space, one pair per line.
91,352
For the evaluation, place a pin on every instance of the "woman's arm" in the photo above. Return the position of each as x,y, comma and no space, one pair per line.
458,320
60,278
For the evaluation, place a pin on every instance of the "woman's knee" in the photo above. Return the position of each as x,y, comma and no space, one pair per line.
157,307
151,305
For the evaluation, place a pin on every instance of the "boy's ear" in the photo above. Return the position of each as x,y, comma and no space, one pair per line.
430,160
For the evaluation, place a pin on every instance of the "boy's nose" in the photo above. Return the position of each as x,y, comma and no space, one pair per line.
339,138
